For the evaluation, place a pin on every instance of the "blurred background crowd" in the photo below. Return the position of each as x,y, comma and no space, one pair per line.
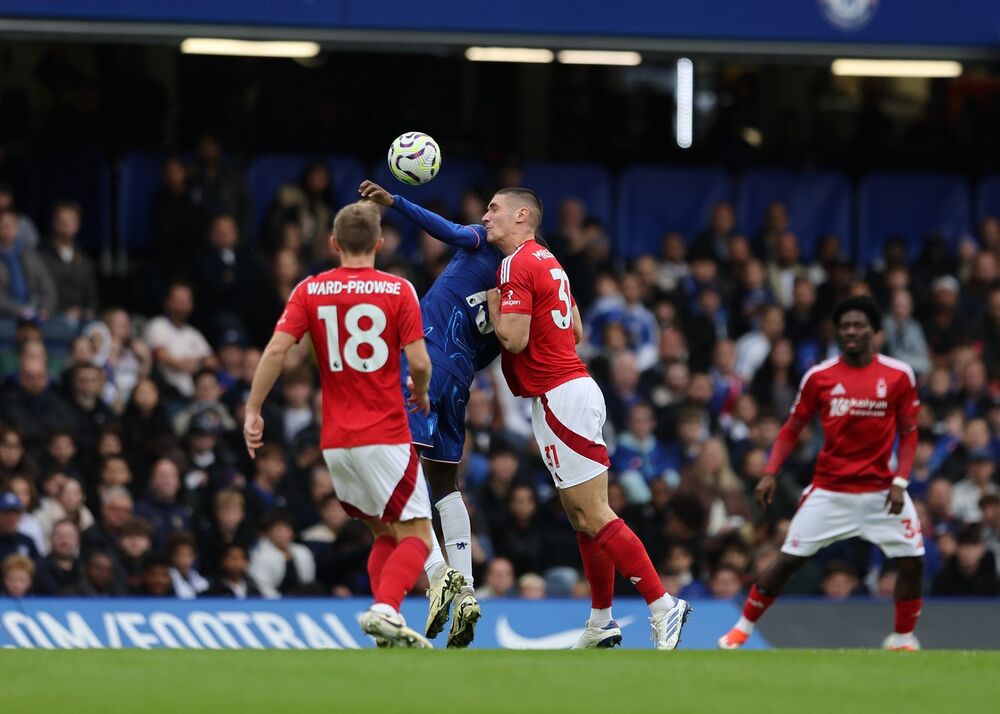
122,468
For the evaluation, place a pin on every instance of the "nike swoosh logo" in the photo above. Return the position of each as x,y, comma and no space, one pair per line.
510,640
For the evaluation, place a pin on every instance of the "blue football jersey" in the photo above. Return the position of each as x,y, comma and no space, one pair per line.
457,327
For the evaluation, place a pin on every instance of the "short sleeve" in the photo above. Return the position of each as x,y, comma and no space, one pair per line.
515,283
807,401
156,334
295,319
411,327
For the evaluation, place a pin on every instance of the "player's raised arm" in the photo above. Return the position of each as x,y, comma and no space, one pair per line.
465,237
802,413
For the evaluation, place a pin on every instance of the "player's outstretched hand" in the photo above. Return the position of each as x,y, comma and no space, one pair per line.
374,192
253,432
764,493
894,500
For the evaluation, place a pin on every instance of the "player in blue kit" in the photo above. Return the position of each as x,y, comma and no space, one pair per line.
460,342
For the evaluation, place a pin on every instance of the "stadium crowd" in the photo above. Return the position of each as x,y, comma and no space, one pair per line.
122,467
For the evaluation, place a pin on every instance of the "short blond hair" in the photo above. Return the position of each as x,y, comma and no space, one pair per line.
18,562
358,227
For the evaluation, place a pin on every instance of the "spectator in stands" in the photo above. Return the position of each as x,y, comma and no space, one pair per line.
14,458
776,223
522,540
750,297
161,507
721,227
680,561
310,203
987,332
725,583
233,581
155,580
708,323
187,581
71,270
286,272
639,458
216,186
990,508
973,392
227,279
114,472
278,565
59,572
135,544
24,488
776,383
979,482
571,244
801,318
27,291
178,221
71,505
714,483
128,358
18,571
86,386
99,576
531,586
207,396
27,233
972,571
268,489
784,269
146,430
983,277
904,337
839,581
225,525
116,509
499,580
297,393
753,347
944,328
492,497
623,390
180,350
12,541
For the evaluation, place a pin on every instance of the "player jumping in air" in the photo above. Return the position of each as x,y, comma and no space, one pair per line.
538,325
863,399
359,319
460,342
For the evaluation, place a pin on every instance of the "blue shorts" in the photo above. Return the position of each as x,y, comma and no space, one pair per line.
440,434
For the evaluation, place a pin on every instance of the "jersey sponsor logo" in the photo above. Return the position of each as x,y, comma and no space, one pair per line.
511,299
353,287
881,389
844,406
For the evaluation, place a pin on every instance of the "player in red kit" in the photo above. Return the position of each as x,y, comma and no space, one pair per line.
538,324
863,400
359,319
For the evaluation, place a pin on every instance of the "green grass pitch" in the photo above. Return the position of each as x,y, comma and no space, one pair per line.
799,681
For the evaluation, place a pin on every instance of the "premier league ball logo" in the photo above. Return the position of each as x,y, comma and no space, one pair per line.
848,15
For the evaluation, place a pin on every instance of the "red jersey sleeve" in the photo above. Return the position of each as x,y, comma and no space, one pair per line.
516,287
807,402
411,326
295,319
908,404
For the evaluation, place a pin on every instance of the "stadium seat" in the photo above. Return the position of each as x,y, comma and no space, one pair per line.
139,179
818,204
988,199
269,172
85,178
911,205
653,200
555,182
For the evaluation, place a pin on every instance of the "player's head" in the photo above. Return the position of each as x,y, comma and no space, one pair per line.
857,320
513,214
357,229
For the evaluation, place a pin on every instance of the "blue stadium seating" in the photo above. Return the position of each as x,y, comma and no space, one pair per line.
818,204
139,179
910,205
268,172
653,200
555,182
85,178
988,200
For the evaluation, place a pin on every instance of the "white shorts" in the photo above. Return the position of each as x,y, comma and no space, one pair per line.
567,423
383,481
825,517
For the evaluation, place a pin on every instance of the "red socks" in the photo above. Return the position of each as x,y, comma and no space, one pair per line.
907,612
756,604
381,550
401,571
626,551
599,570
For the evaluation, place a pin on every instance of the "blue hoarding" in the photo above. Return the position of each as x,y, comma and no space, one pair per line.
59,623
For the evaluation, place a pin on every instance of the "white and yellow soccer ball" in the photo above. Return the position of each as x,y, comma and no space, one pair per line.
414,158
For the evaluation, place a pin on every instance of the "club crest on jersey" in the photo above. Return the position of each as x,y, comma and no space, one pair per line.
881,389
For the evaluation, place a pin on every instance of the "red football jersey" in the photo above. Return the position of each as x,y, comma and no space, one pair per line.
532,282
859,409
359,319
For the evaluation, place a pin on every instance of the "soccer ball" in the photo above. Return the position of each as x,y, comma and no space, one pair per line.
414,158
